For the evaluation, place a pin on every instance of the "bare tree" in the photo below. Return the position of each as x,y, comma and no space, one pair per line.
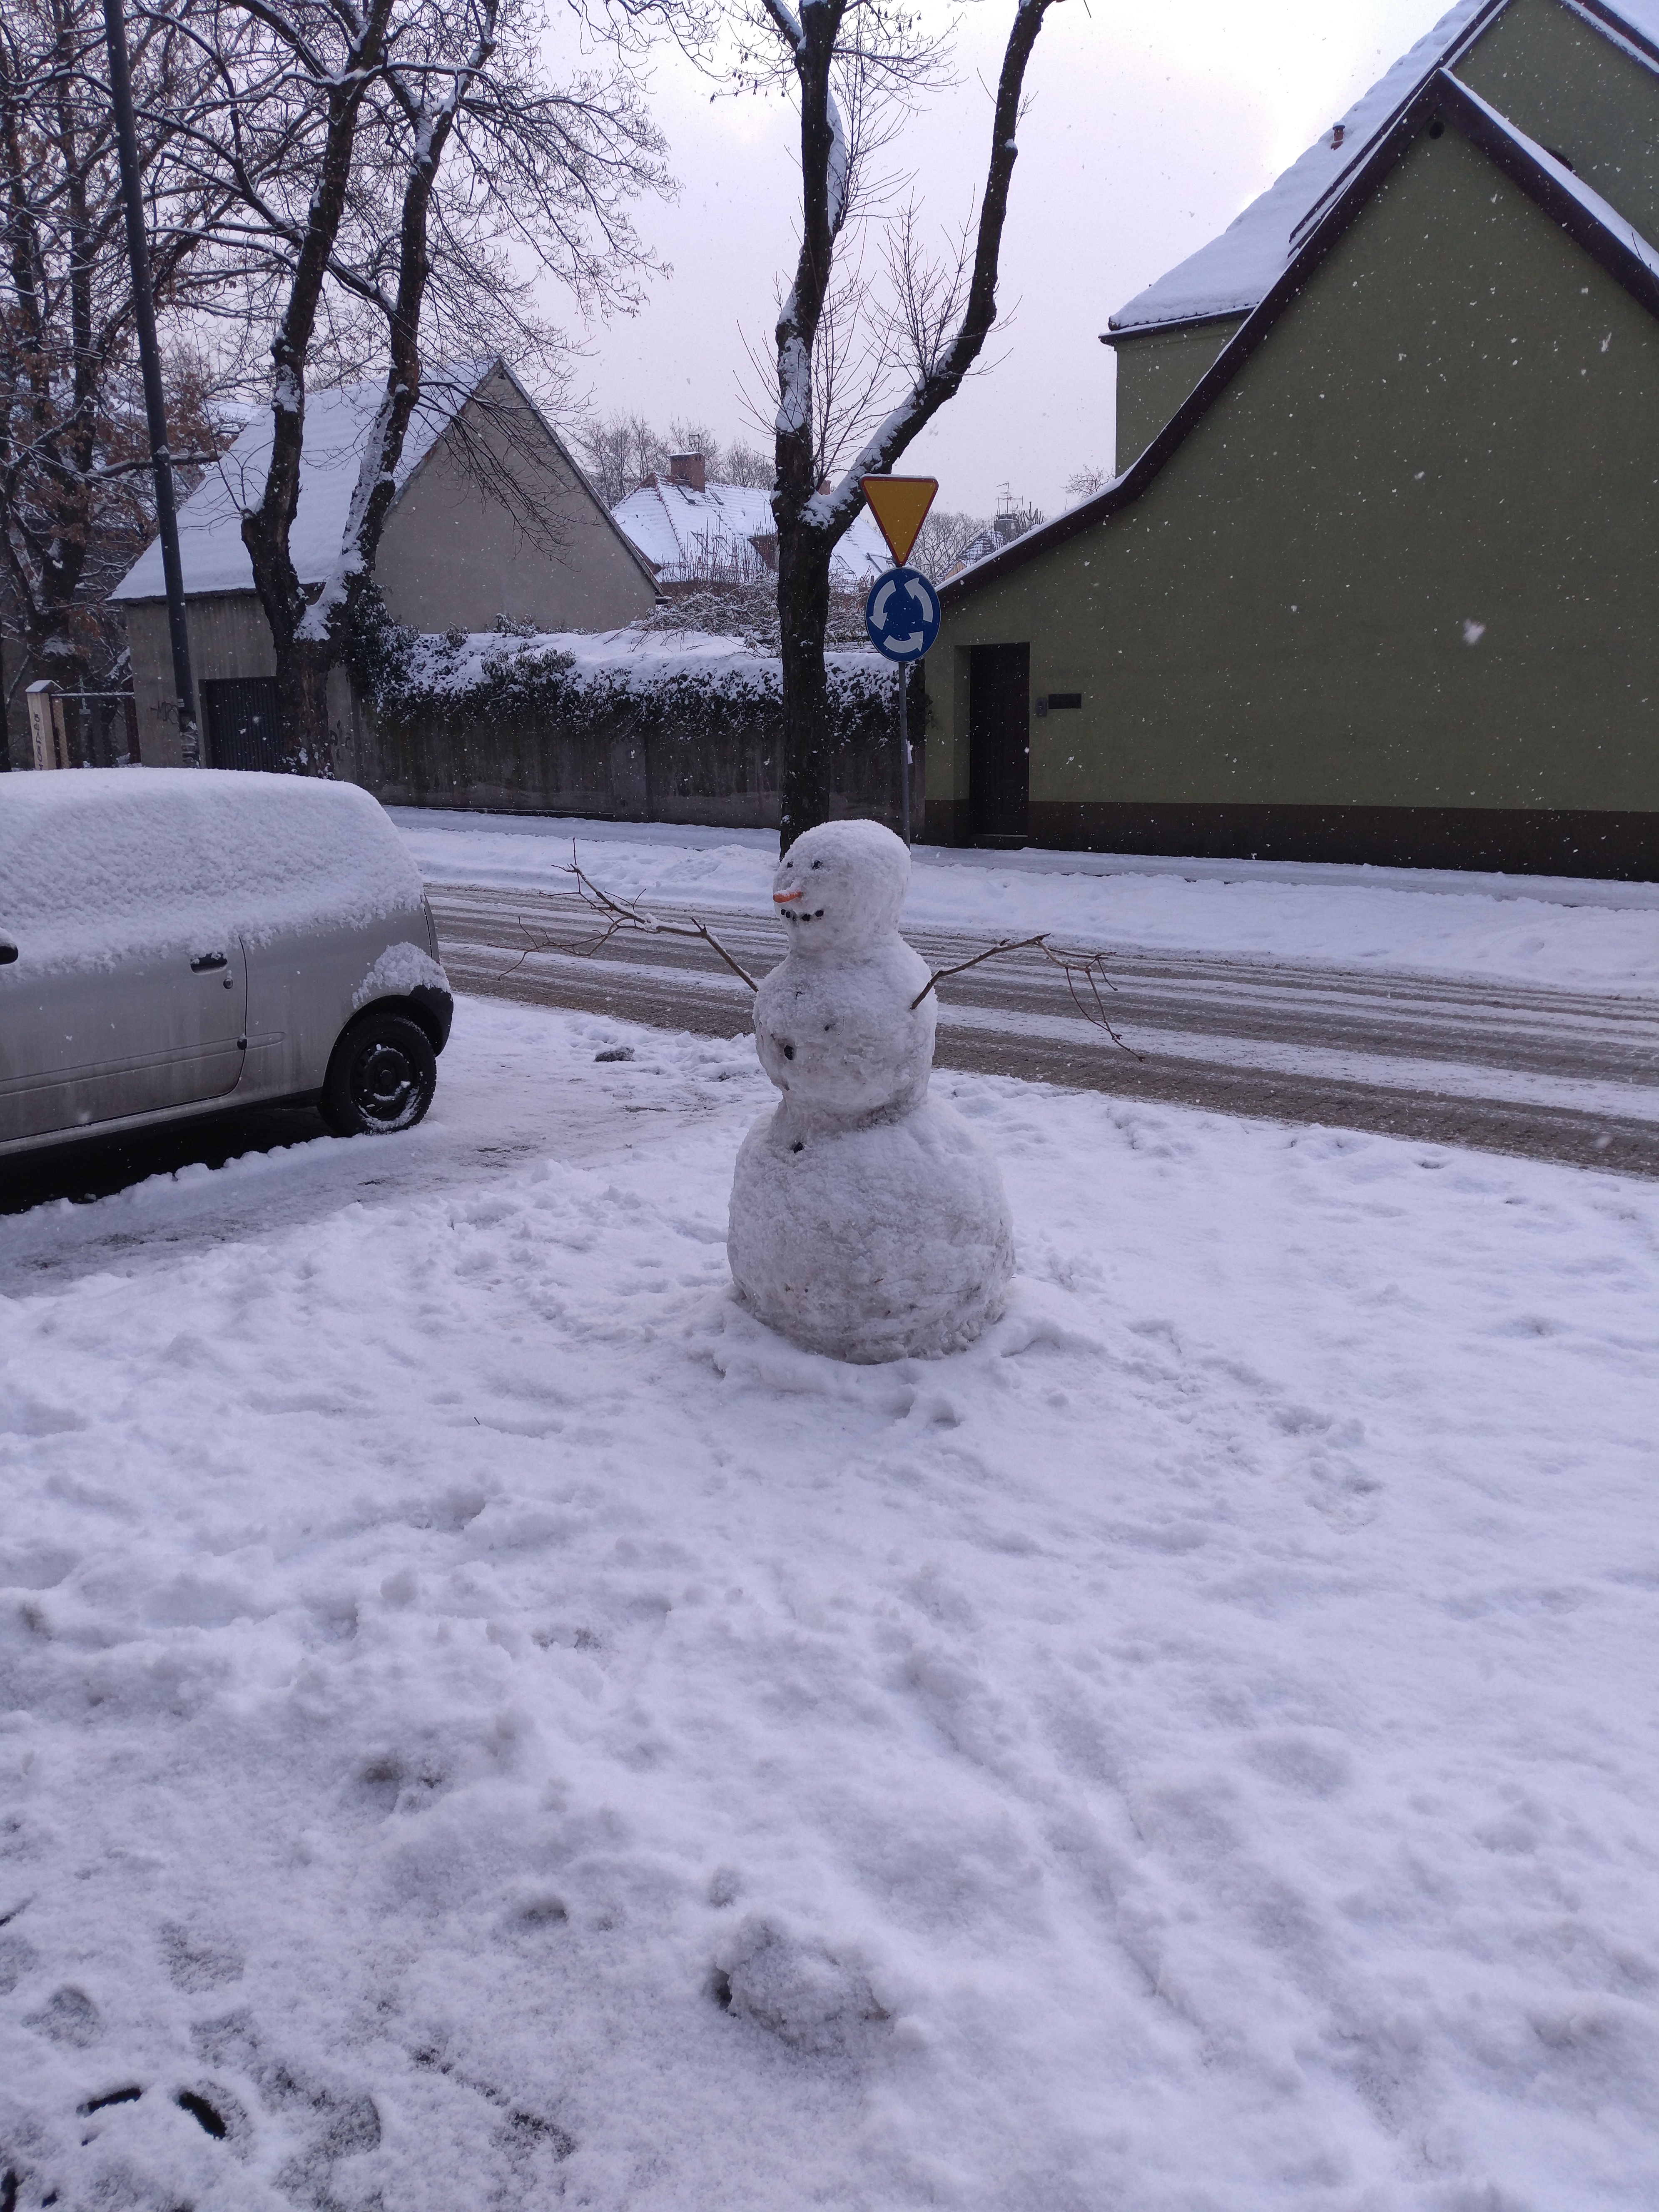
74,485
852,63
620,452
1087,481
432,172
945,537
743,463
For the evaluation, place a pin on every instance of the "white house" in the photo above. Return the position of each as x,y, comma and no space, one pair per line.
694,532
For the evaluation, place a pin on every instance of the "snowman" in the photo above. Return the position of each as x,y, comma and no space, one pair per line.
866,1220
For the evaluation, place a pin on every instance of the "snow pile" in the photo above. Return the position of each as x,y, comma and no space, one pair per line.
401,970
97,862
1524,929
866,1221
492,1725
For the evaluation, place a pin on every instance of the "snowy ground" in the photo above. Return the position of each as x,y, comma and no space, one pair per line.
499,1729
1567,932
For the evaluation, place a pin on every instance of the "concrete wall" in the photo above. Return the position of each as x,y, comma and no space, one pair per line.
1457,424
453,557
228,636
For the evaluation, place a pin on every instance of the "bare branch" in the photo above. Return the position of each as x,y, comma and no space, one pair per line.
1084,971
626,914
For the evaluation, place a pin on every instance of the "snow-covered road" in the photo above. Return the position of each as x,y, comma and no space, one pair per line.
485,1723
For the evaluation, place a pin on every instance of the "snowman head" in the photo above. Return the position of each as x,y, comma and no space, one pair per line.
840,887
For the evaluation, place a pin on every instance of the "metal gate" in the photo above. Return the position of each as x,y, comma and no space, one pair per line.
242,720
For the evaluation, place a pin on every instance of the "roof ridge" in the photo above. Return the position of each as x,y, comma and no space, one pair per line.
1230,273
1592,222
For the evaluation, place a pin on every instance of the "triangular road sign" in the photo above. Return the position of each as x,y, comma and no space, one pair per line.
900,505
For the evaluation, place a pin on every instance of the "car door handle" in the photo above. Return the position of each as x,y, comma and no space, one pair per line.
8,952
203,961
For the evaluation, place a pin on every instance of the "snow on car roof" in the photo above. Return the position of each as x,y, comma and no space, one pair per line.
94,861
211,548
680,530
1231,274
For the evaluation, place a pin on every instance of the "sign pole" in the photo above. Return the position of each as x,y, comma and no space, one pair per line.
904,747
143,306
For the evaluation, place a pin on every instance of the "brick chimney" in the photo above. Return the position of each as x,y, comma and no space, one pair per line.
687,470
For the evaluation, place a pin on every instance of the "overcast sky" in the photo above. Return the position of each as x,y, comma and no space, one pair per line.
1153,122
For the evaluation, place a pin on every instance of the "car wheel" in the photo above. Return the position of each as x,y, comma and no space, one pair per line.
381,1077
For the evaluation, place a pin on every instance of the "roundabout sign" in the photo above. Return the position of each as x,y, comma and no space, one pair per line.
902,614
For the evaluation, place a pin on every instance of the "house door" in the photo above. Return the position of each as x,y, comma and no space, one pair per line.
241,719
999,741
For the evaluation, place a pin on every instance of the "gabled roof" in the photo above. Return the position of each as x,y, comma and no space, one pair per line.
1590,220
210,548
680,530
1233,273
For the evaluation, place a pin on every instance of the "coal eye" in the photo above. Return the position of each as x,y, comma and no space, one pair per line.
818,864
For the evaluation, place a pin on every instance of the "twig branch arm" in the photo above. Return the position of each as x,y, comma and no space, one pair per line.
1089,968
625,914
1009,944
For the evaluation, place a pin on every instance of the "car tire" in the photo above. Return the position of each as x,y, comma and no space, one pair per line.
381,1076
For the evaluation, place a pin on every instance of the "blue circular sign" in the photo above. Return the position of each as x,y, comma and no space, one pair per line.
902,614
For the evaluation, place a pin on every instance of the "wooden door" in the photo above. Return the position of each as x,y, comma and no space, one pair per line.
999,741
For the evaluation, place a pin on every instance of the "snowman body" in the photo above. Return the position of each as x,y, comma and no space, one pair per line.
866,1221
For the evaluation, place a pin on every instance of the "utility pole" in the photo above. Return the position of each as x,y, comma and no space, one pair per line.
143,302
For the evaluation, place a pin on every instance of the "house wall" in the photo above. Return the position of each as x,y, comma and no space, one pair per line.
1573,91
228,636
1456,422
453,556
1155,372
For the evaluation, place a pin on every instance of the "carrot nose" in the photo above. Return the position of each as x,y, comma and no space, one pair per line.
783,898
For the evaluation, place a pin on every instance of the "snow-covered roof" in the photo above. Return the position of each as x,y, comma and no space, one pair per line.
1595,222
1233,272
684,532
211,548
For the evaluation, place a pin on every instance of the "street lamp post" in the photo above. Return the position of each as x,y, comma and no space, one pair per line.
143,301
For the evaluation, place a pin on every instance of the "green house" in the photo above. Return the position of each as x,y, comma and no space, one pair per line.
1378,577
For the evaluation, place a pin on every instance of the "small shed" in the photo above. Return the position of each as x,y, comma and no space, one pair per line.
1377,579
493,520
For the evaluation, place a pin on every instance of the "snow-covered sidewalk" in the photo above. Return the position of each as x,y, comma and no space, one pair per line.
1565,932
494,1727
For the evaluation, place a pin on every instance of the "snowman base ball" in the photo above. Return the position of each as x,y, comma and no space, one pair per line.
866,1221
887,1243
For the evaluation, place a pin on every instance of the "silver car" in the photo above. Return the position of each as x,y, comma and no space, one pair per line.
175,941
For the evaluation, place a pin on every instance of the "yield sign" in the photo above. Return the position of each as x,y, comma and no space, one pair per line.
900,505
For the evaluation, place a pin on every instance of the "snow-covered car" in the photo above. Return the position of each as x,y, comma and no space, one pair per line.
175,941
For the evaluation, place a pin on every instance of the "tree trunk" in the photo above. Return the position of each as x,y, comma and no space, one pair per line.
302,708
804,613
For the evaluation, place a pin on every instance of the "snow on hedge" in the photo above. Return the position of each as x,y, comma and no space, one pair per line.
679,679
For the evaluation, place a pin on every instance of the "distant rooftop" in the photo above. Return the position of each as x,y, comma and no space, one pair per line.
687,528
